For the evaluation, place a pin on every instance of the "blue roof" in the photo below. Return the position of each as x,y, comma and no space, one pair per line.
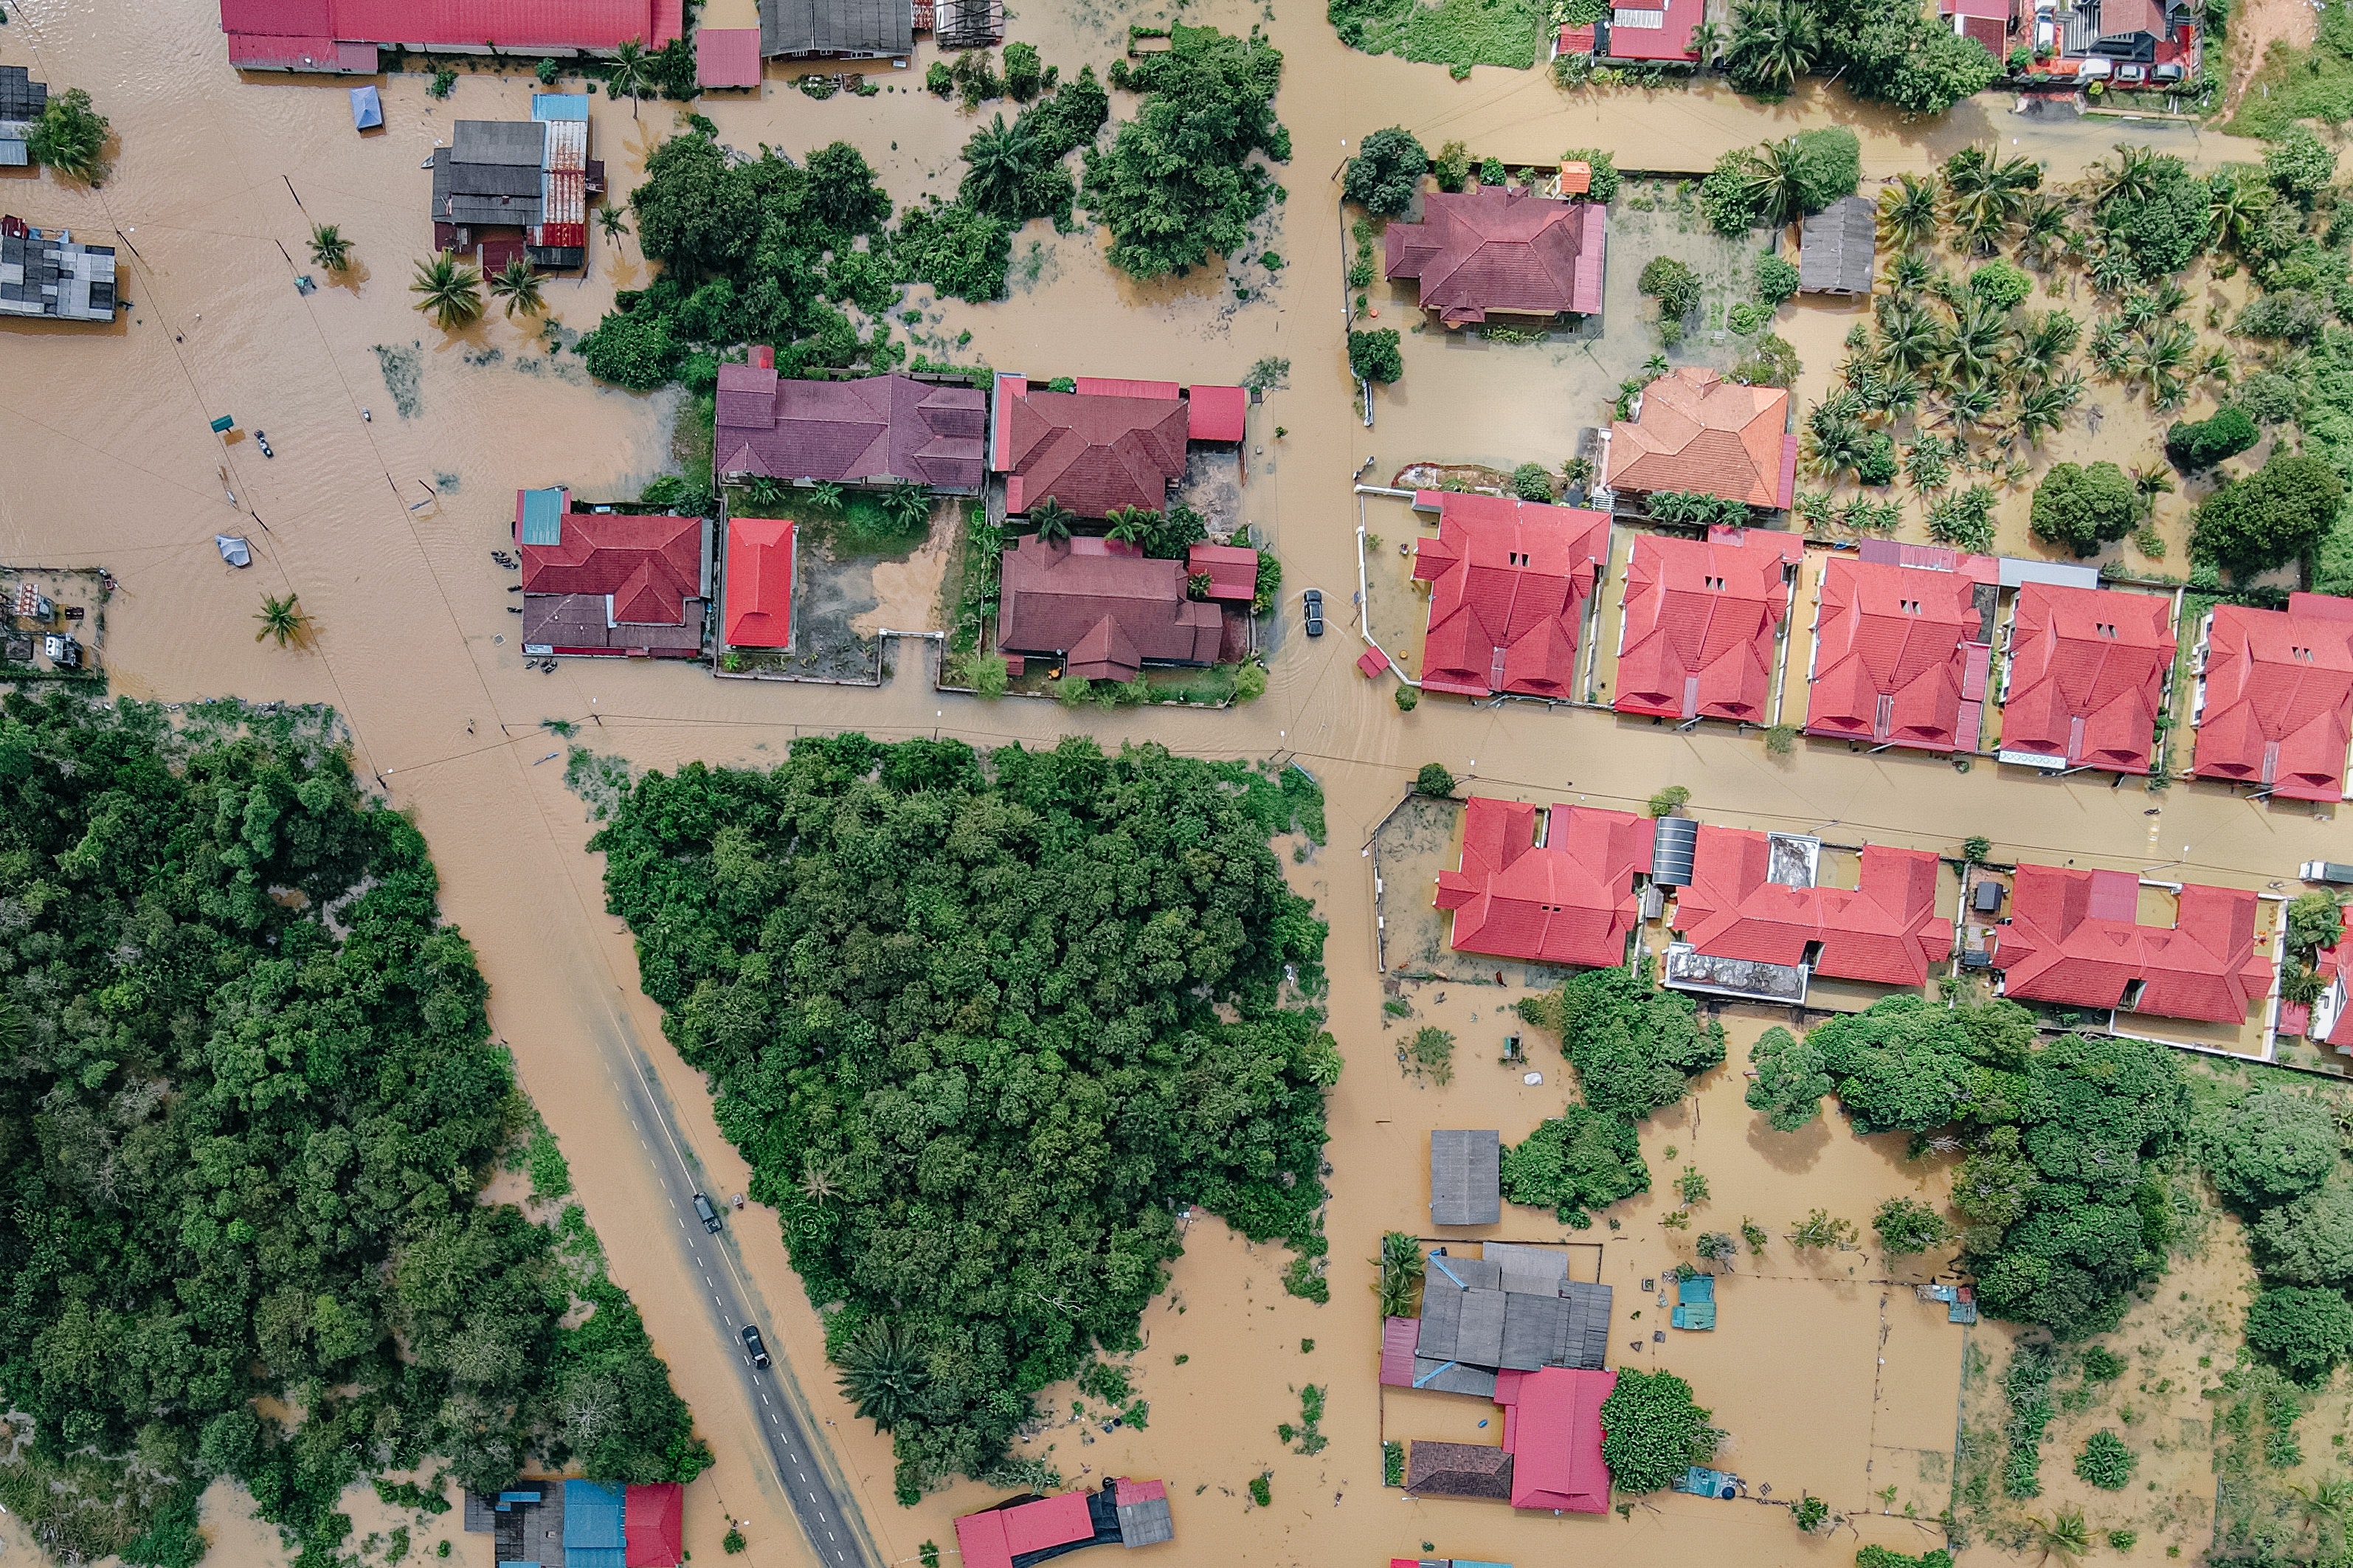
13,154
592,1519
367,108
543,517
596,1557
559,105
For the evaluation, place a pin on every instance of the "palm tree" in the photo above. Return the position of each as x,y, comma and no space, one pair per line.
2065,1536
818,1181
614,221
883,1370
518,285
1130,524
2326,1503
826,497
2150,481
1775,186
330,252
1908,274
1974,350
2041,410
1400,1264
2108,348
2133,172
2042,228
1907,211
999,163
1707,41
907,504
1052,519
2155,362
630,74
283,619
2042,341
1774,42
450,291
1966,408
1910,339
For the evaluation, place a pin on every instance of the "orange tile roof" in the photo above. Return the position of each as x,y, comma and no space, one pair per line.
760,560
1698,433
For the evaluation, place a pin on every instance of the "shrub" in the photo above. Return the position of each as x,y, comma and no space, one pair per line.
1407,699
1746,318
2104,1461
1434,780
1493,173
1652,1431
1023,73
1669,801
1386,172
2196,443
1776,280
1452,167
2269,1148
2102,1365
2275,515
1817,1232
444,82
71,136
1790,1079
1810,1513
1250,683
2002,284
2300,166
2084,507
1532,481
1674,285
1781,740
1876,463
1262,1489
1376,356
2269,398
2309,1240
1716,1245
1906,1225
1772,361
940,79
1604,184
2302,1330
1725,197
1579,1160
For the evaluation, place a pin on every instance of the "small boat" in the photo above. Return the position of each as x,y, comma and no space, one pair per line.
233,550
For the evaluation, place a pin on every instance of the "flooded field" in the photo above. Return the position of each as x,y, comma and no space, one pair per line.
106,461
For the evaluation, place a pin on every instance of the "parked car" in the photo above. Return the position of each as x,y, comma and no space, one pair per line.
753,1343
708,1215
1314,601
2170,72
2327,871
2095,69
2131,75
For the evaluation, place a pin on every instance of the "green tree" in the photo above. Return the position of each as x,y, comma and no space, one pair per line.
2277,514
2195,445
2001,284
448,292
2309,1240
1385,174
1376,356
1774,42
1051,520
71,137
1776,280
2105,1462
1602,183
1789,1082
283,619
2300,166
883,1373
2272,1146
518,285
1024,71
1000,161
2084,507
1532,481
1727,197
1434,780
1676,287
1635,1048
329,249
1908,1226
630,74
1652,1431
2304,1330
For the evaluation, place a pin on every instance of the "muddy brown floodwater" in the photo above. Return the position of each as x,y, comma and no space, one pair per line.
105,460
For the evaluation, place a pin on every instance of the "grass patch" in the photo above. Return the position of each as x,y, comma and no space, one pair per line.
1458,33
862,526
2293,84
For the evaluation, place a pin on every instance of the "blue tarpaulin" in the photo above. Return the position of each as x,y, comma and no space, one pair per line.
367,108
559,105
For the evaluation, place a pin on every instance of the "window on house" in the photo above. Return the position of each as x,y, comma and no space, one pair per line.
1715,583
2105,629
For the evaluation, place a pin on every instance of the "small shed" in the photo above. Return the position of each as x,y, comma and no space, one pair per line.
1465,1176
1231,569
367,108
1838,248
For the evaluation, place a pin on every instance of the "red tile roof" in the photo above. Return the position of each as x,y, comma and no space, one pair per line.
2087,670
1092,452
653,1523
1110,613
992,1539
877,429
649,565
1123,387
516,25
1372,661
2277,697
1669,41
1509,583
1891,654
1501,248
1700,619
1231,569
1552,1429
2074,939
760,563
1569,901
1219,413
1699,434
727,57
1885,929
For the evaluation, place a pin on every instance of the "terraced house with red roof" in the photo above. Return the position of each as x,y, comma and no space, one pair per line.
874,430
1694,433
1510,581
2087,675
1700,634
610,583
1553,885
1902,653
2075,938
1105,445
345,36
1753,897
1501,250
2274,697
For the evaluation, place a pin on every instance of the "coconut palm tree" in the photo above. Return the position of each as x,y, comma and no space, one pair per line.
2108,348
1908,274
883,1372
2235,206
1966,408
827,498
1911,340
1707,41
1051,520
2043,341
1000,160
1775,185
1130,524
2150,481
330,252
2043,224
448,292
282,619
1401,1264
2132,172
1907,211
2041,410
817,1181
1974,351
630,74
613,221
1774,42
518,285
907,504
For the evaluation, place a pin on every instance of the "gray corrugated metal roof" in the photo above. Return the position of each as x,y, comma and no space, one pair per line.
1453,1377
1839,248
21,97
1588,1341
499,142
1145,1523
514,180
1541,1269
837,27
1465,1181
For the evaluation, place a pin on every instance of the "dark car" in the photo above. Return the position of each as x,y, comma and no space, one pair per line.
1314,601
753,1343
706,1214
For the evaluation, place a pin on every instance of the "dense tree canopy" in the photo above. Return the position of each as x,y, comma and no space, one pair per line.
2270,1147
1634,1046
983,1023
1385,174
1791,1078
2275,515
2306,1331
1652,1431
247,1103
2084,506
1580,1159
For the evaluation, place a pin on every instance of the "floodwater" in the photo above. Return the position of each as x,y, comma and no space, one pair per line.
105,460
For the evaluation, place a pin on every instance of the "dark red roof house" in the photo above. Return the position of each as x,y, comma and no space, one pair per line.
1885,930
1658,30
757,609
1552,1429
344,35
653,1523
2074,938
1020,1533
1106,612
1092,451
1554,886
1694,433
1501,250
1509,583
2276,697
603,582
1213,413
1701,615
2331,1024
1231,569
2086,678
1900,654
877,431
1990,22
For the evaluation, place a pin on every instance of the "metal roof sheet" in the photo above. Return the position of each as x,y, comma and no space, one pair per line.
523,141
559,106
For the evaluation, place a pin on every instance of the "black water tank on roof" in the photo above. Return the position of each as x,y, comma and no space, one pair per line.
1673,845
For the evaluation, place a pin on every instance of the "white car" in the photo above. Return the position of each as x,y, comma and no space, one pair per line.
2096,69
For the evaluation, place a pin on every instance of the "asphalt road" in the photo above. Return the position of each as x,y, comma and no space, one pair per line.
837,1534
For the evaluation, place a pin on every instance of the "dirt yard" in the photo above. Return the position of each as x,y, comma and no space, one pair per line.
2255,27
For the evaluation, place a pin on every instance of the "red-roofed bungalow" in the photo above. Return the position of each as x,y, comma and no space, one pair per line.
344,35
1021,1532
2074,938
1509,581
1696,640
1556,886
1552,1429
1499,250
1885,930
1650,30
727,57
653,1522
2086,678
2332,1013
608,583
1694,433
2275,703
1899,654
762,552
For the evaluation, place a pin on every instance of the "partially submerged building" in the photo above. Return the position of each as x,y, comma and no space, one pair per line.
2331,1023
727,58
2075,939
1105,445
2088,672
22,102
1661,32
347,36
604,582
876,430
1838,248
1500,251
2274,697
1459,1471
1512,1308
1901,652
1702,622
581,1523
756,588
1555,885
54,276
1465,1176
1552,1429
1105,609
1510,581
836,29
1694,433
1756,899
504,188
1021,1532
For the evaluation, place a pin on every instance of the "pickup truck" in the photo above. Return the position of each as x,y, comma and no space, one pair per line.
2327,871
